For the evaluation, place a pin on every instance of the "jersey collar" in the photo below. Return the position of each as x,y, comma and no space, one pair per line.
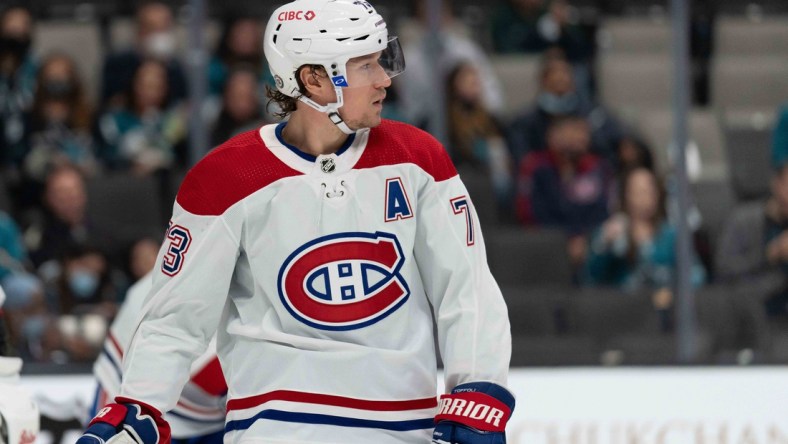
346,157
306,156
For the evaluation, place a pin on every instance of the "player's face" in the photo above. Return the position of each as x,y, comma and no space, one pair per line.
363,104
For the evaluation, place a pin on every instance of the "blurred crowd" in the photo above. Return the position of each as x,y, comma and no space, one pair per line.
565,161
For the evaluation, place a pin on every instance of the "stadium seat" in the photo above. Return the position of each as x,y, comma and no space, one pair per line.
714,200
605,313
554,351
738,35
519,256
127,206
536,310
749,158
704,129
734,319
481,192
753,80
658,349
519,76
633,81
635,35
632,332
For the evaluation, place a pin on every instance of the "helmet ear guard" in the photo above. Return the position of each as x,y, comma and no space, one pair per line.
328,33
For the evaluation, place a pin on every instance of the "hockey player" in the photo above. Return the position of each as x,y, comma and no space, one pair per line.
198,416
336,236
19,419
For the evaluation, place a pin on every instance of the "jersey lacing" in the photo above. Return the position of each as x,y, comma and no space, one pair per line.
338,190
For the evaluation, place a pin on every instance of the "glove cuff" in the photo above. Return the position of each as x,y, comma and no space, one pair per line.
112,414
483,406
145,408
162,427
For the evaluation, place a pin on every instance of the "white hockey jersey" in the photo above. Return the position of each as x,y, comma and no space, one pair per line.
200,408
333,265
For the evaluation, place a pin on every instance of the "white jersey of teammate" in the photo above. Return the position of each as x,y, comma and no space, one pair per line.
200,407
19,418
333,265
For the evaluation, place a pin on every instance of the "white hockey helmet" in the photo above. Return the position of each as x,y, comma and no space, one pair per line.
327,33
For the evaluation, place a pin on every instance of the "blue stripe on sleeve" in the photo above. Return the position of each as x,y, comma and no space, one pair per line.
314,418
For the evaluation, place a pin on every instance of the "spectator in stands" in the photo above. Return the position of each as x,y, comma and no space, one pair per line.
24,291
417,91
155,39
82,301
240,46
61,121
475,136
18,68
753,247
533,26
64,221
241,108
635,248
515,27
142,257
565,186
558,97
536,27
631,153
780,146
149,136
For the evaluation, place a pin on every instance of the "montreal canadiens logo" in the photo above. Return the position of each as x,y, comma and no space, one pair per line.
344,281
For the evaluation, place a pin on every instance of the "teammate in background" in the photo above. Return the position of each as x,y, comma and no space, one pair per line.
317,249
19,420
198,416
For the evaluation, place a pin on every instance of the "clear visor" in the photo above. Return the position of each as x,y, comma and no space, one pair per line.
373,69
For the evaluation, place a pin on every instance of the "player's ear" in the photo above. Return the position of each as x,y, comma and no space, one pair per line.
316,83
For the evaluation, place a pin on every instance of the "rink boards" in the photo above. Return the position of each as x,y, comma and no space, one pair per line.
710,405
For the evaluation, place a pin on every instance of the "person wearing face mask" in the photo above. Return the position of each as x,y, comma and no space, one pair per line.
61,122
565,186
155,40
18,68
82,301
558,96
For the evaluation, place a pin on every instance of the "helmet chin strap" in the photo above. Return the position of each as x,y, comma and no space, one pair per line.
332,109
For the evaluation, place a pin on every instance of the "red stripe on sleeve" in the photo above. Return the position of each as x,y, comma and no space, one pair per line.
337,401
115,344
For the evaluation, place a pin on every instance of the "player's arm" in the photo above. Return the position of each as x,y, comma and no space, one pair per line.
179,317
473,324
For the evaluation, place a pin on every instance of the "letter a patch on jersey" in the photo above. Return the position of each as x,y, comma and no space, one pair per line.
397,201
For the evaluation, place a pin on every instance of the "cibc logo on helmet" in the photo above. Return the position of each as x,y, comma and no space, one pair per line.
285,16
